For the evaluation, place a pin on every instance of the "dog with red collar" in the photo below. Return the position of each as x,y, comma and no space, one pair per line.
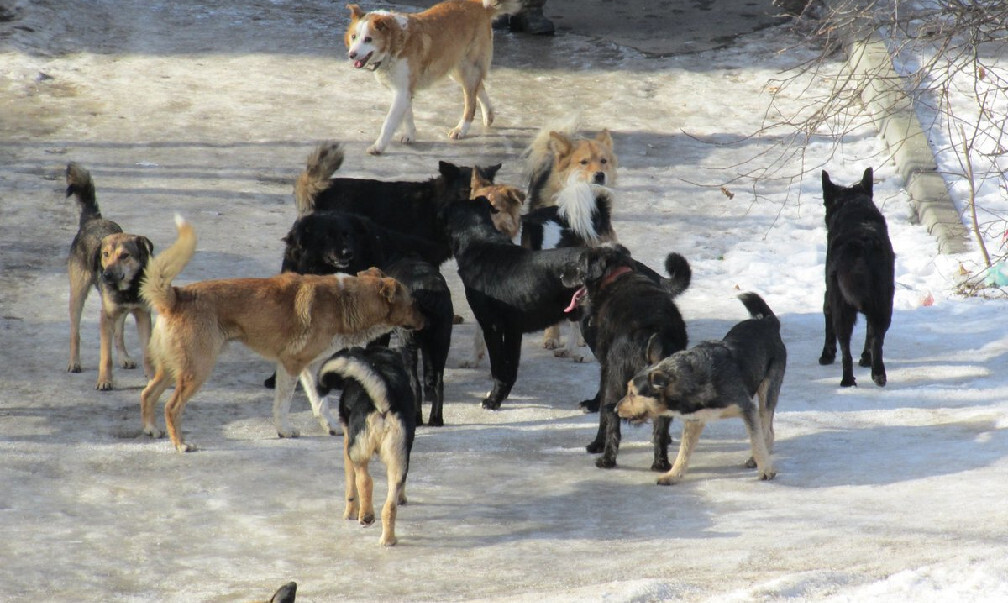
632,319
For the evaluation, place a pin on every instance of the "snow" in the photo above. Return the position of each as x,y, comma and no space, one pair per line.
209,111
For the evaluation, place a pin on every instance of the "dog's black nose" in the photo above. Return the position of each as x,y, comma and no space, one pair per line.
352,55
599,177
109,277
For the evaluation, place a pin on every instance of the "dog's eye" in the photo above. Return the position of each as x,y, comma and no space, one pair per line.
584,162
603,161
353,36
367,39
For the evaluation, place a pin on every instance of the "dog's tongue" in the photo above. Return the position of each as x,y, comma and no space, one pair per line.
575,299
358,63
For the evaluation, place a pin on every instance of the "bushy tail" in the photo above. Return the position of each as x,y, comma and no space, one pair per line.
757,307
323,161
504,7
680,273
156,287
353,365
79,183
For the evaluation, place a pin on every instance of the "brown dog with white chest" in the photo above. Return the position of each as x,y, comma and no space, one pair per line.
295,319
105,257
561,156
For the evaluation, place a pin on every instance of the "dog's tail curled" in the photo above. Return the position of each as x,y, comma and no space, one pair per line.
79,183
156,287
758,308
323,161
680,274
351,364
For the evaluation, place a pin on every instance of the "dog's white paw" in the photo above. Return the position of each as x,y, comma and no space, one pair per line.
375,150
407,138
387,540
551,344
183,447
474,363
288,432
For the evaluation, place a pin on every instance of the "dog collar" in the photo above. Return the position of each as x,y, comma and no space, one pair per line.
583,291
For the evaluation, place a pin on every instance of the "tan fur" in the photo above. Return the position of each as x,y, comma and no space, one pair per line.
568,156
384,438
120,255
410,51
505,199
290,318
322,162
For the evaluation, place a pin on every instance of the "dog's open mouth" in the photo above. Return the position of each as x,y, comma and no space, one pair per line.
365,62
576,300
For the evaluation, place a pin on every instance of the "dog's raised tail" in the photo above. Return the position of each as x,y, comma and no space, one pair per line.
348,364
156,287
680,273
322,162
504,7
79,183
757,307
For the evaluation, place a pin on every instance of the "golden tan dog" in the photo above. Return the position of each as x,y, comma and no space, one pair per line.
506,201
558,157
294,319
105,257
409,51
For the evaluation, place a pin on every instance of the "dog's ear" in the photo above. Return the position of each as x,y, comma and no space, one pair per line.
560,144
866,180
828,189
146,243
488,173
477,181
657,381
390,289
384,22
373,272
447,169
355,12
655,350
516,195
604,138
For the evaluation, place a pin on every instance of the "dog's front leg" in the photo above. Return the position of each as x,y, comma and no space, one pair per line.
125,360
285,384
402,105
142,318
319,404
105,363
504,347
692,429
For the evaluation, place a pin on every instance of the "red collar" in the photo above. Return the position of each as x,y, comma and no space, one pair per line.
618,272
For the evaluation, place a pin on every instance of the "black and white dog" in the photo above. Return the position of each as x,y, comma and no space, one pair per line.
376,411
715,380
631,314
860,276
511,290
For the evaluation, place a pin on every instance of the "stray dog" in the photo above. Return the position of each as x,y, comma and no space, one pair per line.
285,594
511,290
582,217
407,52
105,257
411,208
716,380
291,318
634,320
433,299
860,276
376,411
558,157
505,200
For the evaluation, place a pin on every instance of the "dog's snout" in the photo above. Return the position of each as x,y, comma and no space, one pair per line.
352,54
599,177
109,277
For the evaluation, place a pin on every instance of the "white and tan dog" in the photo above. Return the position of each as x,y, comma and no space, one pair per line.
409,51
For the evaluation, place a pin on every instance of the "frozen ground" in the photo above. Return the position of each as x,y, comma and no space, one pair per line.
894,494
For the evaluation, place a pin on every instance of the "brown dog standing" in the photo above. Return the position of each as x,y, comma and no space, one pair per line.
557,158
105,257
295,319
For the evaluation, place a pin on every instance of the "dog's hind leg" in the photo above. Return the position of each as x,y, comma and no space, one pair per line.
125,360
433,370
485,107
829,345
469,76
753,423
394,457
80,285
187,382
319,404
148,399
286,383
352,506
142,318
692,429
504,348
844,317
365,491
874,340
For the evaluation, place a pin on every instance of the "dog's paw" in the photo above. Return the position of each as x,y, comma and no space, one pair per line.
491,404
767,475
661,465
153,432
183,447
407,138
864,361
367,518
750,463
470,363
565,353
436,422
375,150
879,379
668,480
604,462
74,367
387,540
848,382
551,343
104,385
127,363
589,406
288,432
594,448
350,511
827,358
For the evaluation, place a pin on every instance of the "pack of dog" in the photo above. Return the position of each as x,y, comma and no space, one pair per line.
559,156
715,380
635,318
376,413
860,276
410,51
106,258
294,319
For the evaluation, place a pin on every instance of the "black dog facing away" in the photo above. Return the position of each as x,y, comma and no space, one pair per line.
510,289
630,315
715,380
860,276
376,412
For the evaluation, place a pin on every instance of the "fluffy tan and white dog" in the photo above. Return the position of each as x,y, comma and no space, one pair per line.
295,319
561,156
409,51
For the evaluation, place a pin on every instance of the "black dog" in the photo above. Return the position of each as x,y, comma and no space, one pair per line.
714,380
377,411
860,276
407,207
511,290
630,312
431,294
324,242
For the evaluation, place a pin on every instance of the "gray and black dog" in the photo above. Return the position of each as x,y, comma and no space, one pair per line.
104,257
716,380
